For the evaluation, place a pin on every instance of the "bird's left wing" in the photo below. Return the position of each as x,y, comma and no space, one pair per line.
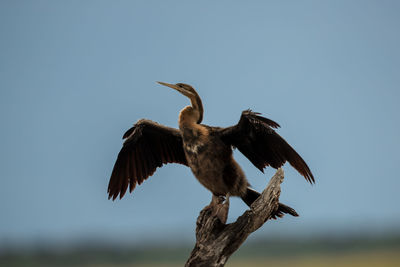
148,145
256,139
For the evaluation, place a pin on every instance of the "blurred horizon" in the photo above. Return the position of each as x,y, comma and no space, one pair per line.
326,251
74,76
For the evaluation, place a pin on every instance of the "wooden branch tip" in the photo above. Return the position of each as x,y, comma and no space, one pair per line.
273,188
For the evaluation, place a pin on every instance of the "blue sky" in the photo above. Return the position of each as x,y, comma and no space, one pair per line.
74,75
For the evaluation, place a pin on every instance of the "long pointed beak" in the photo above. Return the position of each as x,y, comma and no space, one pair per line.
169,85
177,88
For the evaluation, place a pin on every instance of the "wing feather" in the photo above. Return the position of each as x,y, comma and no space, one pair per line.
255,138
148,145
132,183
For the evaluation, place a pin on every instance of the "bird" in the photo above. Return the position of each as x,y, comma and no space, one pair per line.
206,150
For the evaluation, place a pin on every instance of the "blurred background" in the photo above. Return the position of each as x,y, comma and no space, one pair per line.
74,75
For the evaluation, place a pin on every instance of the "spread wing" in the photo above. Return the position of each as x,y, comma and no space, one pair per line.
148,145
256,139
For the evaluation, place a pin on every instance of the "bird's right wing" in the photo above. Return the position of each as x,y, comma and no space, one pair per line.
148,145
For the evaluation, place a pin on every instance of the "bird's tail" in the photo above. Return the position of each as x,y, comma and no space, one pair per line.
251,195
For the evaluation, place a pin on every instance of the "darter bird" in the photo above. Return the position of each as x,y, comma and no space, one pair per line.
206,150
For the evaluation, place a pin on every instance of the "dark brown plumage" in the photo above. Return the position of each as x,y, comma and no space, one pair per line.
148,145
206,150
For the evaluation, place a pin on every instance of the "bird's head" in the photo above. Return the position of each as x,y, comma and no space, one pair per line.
182,88
189,92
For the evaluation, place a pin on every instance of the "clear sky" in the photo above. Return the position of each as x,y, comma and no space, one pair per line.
74,75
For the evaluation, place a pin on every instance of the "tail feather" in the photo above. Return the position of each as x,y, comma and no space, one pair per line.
251,195
282,209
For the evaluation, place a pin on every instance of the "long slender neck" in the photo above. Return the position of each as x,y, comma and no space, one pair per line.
197,106
191,115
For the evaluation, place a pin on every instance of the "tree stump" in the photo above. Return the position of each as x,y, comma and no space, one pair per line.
217,241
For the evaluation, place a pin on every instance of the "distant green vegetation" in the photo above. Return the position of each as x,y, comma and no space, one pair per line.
389,258
321,252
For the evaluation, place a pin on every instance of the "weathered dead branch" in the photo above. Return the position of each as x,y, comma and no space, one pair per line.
217,241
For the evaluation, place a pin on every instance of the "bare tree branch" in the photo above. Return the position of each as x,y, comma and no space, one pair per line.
217,241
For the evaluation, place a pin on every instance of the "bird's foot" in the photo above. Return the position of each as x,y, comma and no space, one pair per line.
219,207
